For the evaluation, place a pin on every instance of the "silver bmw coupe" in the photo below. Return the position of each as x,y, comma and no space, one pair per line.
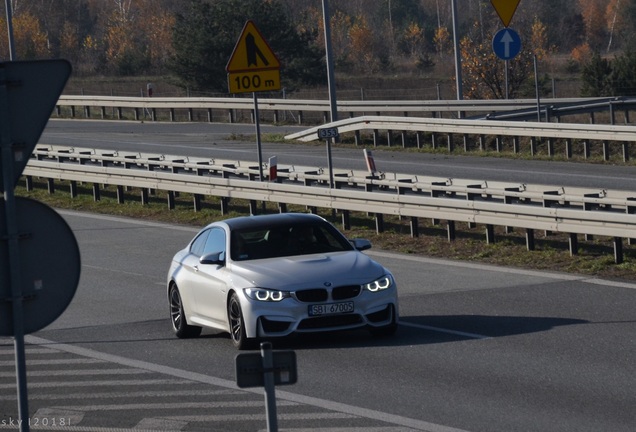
261,277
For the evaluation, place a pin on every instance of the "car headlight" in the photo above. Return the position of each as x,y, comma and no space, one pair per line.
266,295
385,282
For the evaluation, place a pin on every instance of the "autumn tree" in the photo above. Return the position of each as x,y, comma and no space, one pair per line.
484,74
29,40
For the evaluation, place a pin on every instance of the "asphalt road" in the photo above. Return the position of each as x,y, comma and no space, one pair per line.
479,349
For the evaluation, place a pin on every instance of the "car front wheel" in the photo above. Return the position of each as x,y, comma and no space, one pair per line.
178,318
237,324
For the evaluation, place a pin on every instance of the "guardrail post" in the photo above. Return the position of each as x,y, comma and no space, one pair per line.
573,242
530,239
282,207
606,151
414,225
144,196
434,140
379,223
451,145
389,138
618,250
87,112
357,132
196,198
515,144
450,230
209,115
376,137
120,194
568,148
136,113
533,146
225,204
103,112
490,234
346,220
172,115
50,185
96,192
499,143
171,200
625,151
29,183
118,109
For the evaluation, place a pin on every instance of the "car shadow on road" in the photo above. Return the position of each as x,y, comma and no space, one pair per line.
430,329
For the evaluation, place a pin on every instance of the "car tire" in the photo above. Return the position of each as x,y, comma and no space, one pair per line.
236,324
178,318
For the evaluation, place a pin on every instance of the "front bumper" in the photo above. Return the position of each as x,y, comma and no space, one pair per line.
289,316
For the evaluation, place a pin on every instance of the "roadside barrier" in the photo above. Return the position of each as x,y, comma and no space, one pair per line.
574,211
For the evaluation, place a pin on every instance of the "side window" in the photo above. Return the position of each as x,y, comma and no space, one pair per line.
215,241
199,243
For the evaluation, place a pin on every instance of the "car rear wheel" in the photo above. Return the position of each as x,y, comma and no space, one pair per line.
178,318
237,324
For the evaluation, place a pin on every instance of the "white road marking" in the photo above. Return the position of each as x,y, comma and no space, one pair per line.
443,330
191,377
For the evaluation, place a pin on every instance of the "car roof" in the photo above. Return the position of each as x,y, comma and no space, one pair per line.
270,220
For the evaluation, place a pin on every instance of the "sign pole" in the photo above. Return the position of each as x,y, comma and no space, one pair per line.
506,74
536,85
258,137
270,388
13,254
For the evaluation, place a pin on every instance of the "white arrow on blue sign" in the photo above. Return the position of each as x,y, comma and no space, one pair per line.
506,44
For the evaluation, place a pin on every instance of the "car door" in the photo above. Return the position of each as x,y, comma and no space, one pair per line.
210,288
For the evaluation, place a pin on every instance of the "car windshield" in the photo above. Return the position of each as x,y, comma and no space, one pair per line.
286,240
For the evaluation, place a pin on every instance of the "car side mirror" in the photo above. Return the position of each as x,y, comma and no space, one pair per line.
214,258
361,244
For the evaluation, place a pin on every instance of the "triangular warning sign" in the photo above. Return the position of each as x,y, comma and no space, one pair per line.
252,53
505,9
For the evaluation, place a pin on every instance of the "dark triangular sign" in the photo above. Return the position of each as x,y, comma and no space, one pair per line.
29,91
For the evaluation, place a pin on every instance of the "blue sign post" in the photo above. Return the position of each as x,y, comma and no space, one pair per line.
506,44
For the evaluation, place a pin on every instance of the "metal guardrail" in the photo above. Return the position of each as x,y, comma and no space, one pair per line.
530,207
621,134
139,105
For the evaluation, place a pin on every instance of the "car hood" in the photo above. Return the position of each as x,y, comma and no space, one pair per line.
308,271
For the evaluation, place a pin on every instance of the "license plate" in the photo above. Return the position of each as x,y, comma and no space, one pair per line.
330,309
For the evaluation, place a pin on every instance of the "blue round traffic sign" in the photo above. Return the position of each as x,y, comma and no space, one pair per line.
506,44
